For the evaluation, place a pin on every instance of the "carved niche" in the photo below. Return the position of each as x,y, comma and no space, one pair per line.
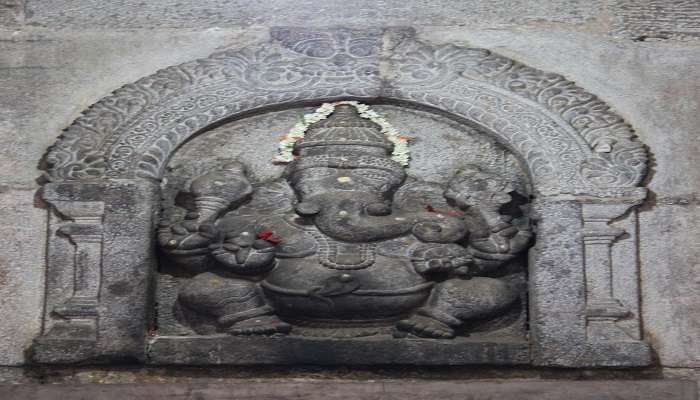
345,241
174,239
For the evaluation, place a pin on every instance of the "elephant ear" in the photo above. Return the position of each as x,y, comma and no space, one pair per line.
269,198
421,196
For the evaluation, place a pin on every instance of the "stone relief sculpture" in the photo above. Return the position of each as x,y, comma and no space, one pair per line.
262,256
333,249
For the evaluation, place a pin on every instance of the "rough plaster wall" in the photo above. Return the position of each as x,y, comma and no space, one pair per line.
58,56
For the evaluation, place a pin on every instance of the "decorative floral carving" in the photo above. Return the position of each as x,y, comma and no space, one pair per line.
338,43
430,67
552,123
428,73
619,169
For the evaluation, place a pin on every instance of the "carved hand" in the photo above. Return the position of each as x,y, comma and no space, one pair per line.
244,254
437,228
520,240
459,265
444,258
503,239
186,235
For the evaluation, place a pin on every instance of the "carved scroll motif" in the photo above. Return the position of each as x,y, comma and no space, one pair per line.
566,134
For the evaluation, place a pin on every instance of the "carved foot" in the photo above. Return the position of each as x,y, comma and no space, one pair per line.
262,325
422,326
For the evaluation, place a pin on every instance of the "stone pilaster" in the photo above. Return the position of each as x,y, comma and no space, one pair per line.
100,258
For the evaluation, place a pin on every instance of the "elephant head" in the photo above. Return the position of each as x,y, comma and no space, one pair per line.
345,179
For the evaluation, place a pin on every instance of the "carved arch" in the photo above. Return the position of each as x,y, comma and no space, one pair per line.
571,142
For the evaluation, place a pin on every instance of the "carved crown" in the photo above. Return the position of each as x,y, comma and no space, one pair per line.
345,127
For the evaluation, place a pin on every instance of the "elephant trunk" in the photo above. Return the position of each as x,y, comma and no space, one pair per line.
356,218
346,219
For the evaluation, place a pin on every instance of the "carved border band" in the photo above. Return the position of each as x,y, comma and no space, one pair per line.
572,142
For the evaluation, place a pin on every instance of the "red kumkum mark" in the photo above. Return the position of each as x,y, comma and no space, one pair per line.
268,235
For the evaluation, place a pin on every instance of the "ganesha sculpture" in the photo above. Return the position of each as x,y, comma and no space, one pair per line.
342,253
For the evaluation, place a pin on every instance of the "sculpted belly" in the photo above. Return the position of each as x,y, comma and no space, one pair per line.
305,288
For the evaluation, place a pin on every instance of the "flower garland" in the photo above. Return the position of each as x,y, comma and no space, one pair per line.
401,153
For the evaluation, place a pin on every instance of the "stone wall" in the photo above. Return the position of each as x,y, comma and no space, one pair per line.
57,57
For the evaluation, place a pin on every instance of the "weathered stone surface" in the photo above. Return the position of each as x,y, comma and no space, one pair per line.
625,262
21,271
670,265
643,20
205,14
555,280
561,315
630,19
367,390
689,374
11,12
222,350
99,271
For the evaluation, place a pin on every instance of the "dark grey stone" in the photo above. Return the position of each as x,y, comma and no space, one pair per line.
232,350
344,242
